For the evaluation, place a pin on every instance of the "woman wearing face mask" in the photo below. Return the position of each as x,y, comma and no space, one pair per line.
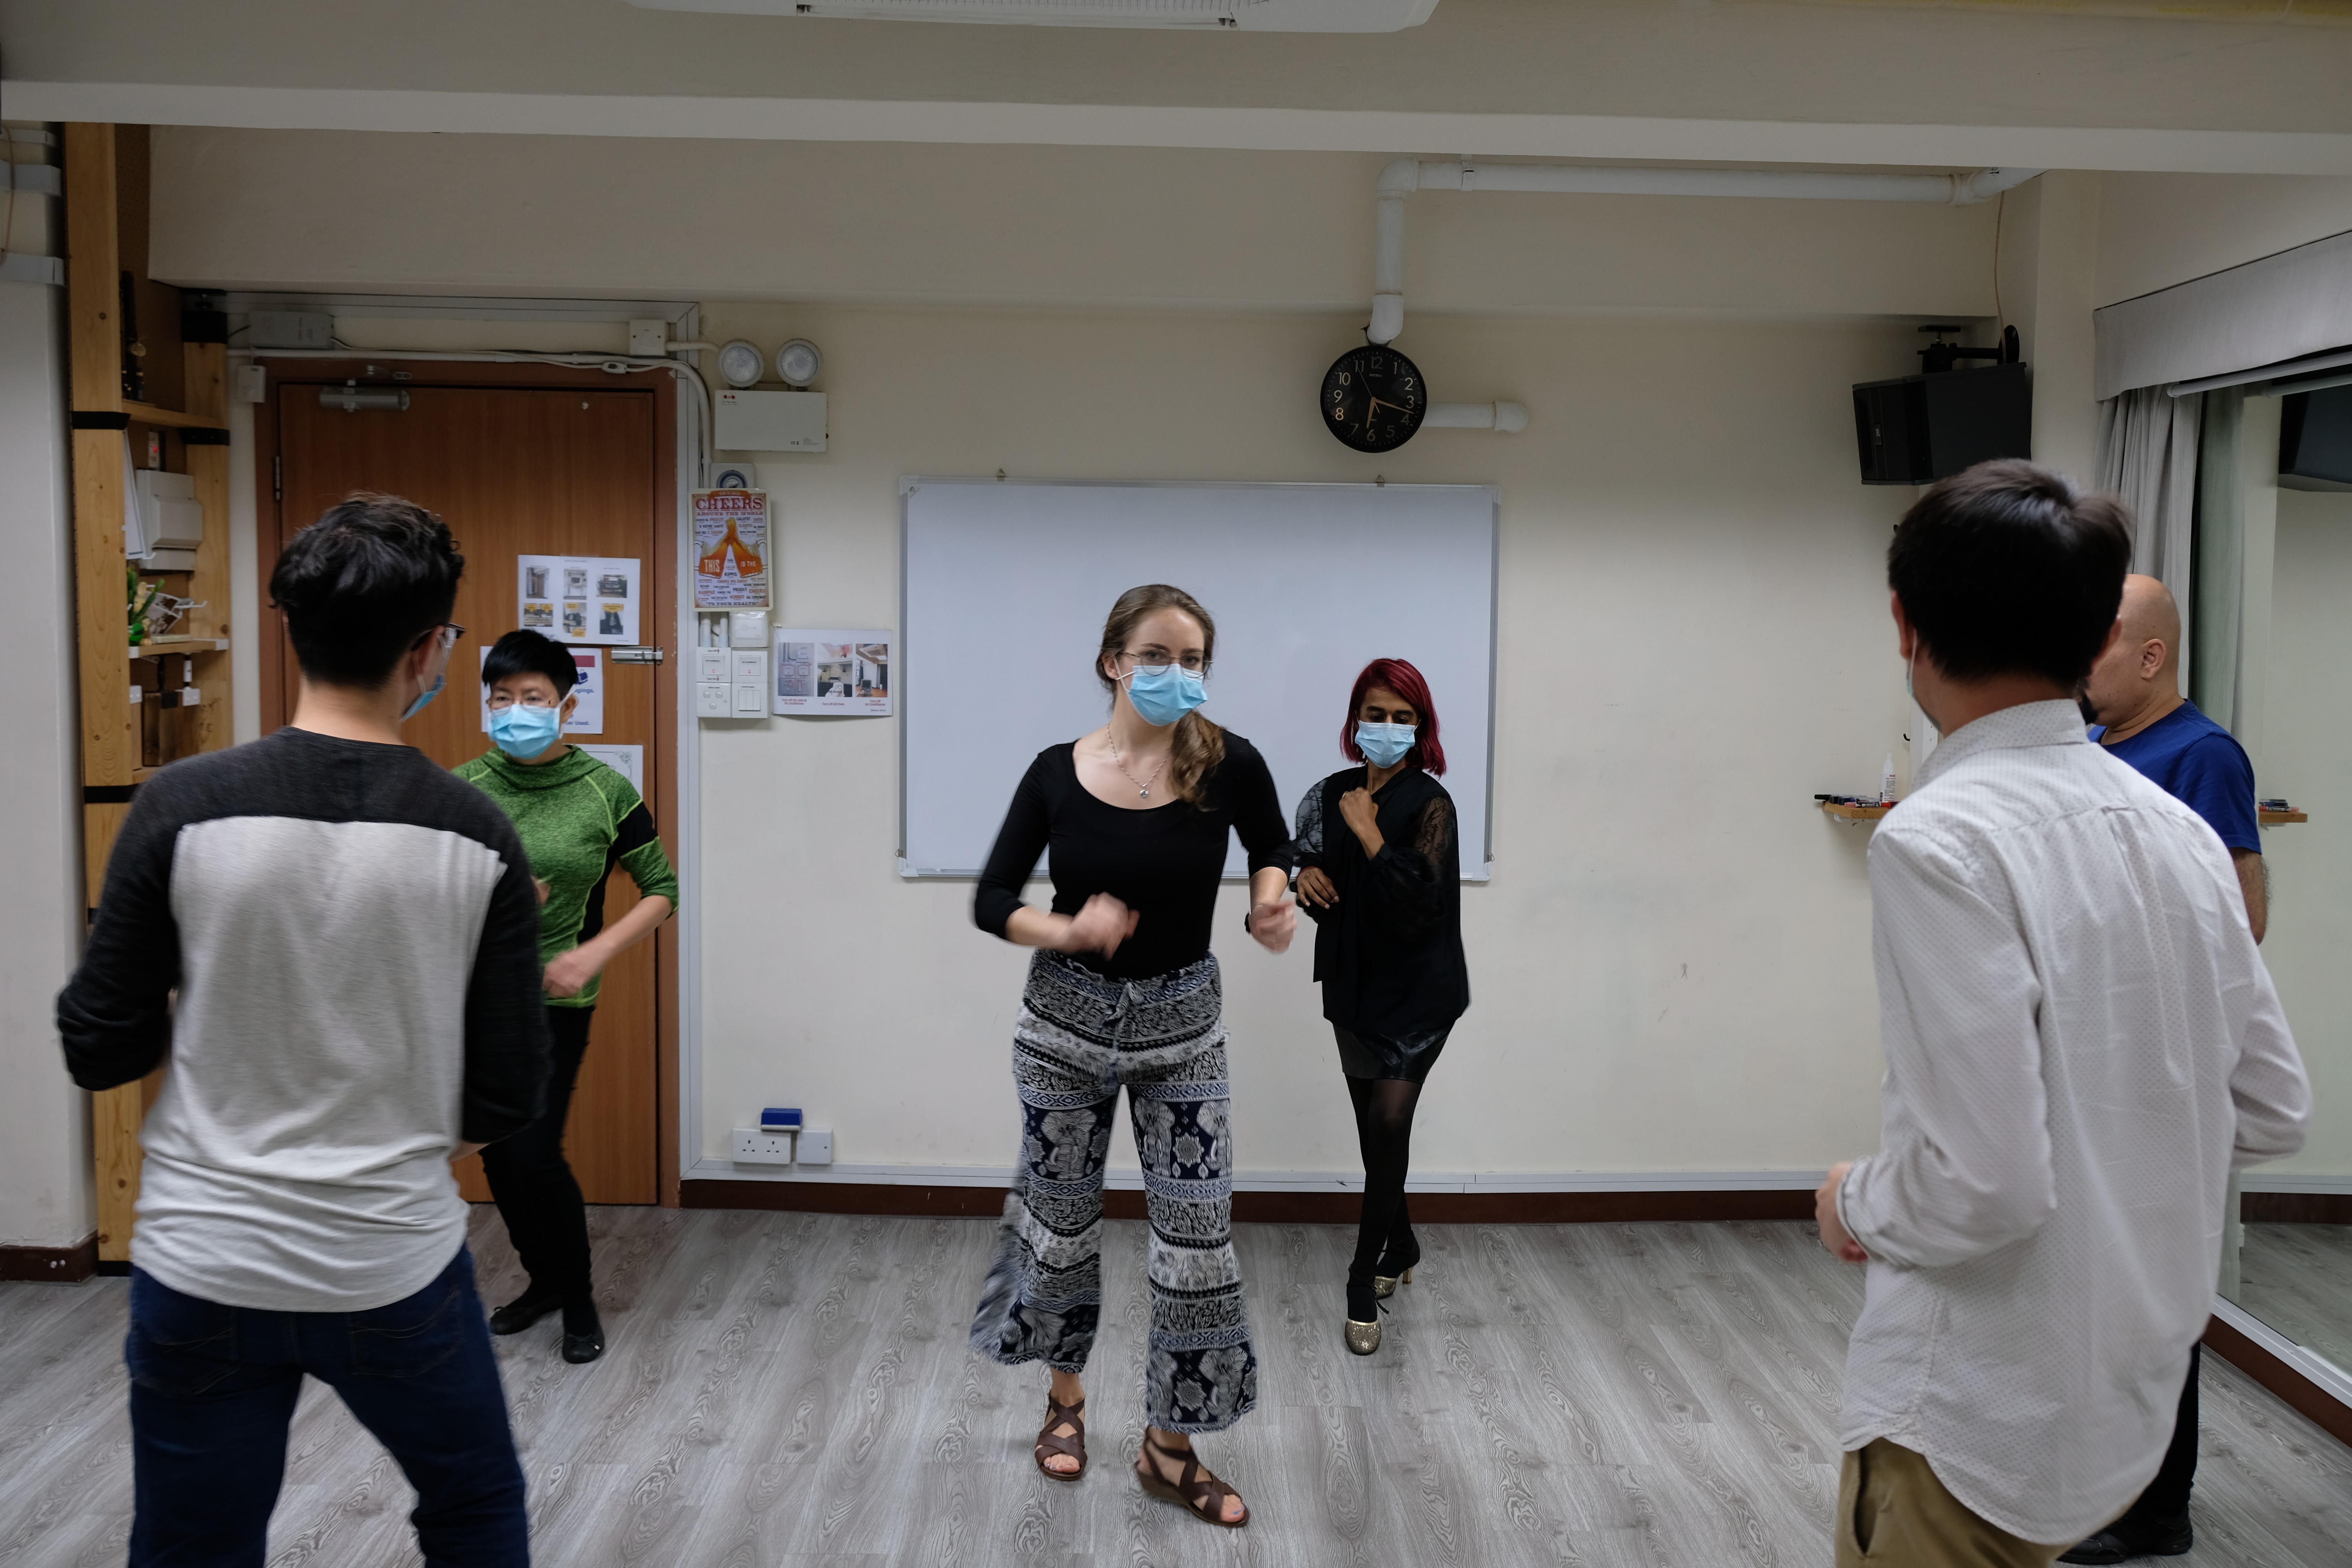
1124,990
577,819
1380,875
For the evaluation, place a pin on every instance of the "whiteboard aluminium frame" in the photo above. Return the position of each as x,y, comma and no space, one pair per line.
908,483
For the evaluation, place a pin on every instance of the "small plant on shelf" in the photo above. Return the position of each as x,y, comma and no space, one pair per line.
140,602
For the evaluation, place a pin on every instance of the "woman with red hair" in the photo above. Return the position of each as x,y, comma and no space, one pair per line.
1381,855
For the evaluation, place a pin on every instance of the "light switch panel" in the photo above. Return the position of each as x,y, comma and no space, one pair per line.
712,700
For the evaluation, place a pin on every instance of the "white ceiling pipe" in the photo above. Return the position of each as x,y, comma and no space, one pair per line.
1508,418
1404,176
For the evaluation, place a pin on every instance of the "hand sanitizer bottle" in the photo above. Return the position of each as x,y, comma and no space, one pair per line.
1886,784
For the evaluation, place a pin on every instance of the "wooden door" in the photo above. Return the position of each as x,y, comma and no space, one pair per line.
522,472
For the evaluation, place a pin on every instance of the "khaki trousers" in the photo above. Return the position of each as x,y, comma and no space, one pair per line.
1892,1510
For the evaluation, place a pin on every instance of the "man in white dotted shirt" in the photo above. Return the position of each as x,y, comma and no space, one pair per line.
2081,1041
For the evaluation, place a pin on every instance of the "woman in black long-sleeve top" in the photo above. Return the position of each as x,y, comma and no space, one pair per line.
1380,854
1124,990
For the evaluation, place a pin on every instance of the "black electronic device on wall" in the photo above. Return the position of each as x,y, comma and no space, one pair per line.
2315,441
1916,429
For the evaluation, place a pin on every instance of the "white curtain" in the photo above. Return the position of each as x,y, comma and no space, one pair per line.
2147,455
2213,678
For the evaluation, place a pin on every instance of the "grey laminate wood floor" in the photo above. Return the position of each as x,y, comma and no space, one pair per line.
789,1390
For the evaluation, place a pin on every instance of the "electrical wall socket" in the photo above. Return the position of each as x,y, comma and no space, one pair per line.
757,1148
816,1146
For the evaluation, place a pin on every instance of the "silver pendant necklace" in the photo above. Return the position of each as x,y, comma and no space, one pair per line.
1142,786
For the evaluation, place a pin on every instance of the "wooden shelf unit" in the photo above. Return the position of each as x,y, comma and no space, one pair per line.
1853,814
106,206
2270,818
148,413
168,646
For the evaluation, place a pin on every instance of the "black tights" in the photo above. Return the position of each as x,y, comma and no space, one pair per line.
1384,1134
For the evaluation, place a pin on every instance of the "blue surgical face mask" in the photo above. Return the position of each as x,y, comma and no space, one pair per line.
523,732
1384,745
1165,693
428,695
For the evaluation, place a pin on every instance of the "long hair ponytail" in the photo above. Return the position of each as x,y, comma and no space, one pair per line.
1198,745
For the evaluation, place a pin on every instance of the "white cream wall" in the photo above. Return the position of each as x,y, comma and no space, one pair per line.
46,1193
2157,230
904,224
1672,963
2307,757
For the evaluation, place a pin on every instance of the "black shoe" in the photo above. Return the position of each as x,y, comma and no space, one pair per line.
584,1334
524,1310
2128,1538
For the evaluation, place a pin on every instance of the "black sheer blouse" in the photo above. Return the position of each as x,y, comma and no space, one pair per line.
1388,954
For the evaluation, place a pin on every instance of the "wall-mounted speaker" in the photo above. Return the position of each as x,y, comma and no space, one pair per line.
1916,429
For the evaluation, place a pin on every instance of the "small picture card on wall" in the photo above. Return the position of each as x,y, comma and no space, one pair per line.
579,598
730,550
833,671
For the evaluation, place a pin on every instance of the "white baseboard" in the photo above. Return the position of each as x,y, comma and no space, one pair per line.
707,1169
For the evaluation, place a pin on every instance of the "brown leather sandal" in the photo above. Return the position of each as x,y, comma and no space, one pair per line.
1200,1492
1050,1441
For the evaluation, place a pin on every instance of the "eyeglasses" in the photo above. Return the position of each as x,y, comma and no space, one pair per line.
447,631
499,702
1191,661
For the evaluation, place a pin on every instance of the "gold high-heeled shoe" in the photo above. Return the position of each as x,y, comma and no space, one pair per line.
1363,1339
1384,1285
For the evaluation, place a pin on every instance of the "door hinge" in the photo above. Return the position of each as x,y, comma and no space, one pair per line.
277,475
636,655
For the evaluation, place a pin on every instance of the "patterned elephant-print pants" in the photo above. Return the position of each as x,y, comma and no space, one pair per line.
1079,1037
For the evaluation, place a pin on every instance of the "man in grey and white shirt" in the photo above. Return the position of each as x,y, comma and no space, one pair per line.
335,945
2081,1041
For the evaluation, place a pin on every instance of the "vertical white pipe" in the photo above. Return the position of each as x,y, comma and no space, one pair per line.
1397,180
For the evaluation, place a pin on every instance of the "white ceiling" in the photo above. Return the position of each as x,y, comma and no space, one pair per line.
1702,80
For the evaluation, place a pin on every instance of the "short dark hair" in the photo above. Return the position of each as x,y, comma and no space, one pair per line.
359,586
2008,569
526,652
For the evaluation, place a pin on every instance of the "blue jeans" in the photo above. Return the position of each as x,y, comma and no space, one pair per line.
212,1390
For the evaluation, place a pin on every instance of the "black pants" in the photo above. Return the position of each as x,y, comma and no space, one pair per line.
2167,1497
535,1193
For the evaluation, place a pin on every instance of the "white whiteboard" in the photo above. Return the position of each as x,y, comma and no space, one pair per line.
1007,583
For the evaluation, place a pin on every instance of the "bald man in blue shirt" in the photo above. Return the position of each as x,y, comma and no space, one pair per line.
2134,703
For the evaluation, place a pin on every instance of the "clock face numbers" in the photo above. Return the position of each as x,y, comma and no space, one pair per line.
1373,399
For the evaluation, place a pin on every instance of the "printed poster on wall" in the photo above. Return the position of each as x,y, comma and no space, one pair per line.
629,762
588,716
730,550
579,598
833,672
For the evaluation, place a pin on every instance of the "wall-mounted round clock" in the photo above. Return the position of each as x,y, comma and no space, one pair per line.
1373,398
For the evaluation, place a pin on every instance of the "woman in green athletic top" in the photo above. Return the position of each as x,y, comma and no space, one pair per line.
577,819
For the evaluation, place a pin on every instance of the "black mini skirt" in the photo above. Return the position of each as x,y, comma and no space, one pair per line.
1407,1056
